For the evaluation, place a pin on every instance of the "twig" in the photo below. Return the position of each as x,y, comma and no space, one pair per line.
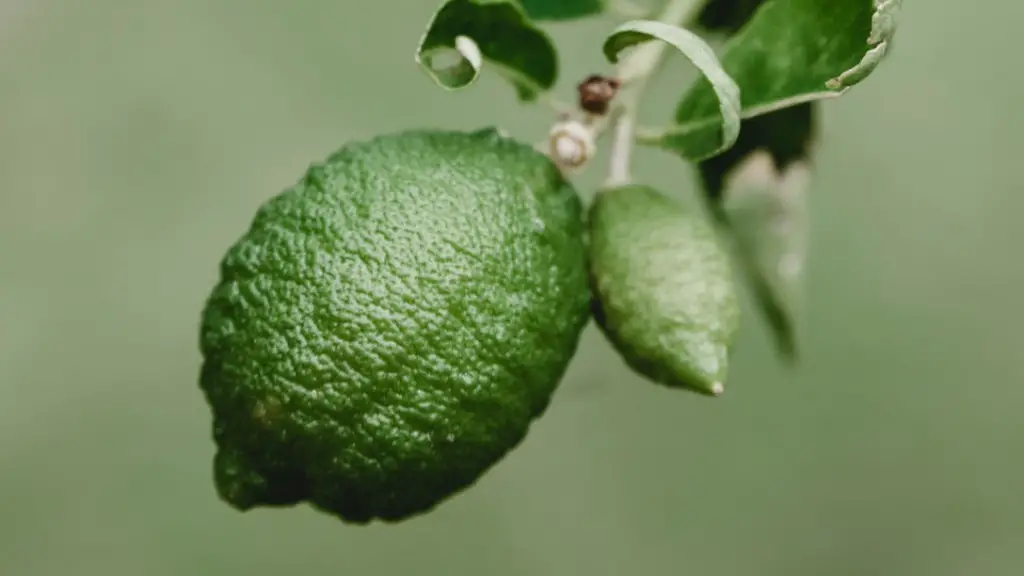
634,71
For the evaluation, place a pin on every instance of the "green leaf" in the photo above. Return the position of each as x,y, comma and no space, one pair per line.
469,32
563,9
725,126
757,191
790,52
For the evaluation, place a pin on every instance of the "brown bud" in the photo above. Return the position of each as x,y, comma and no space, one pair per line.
596,92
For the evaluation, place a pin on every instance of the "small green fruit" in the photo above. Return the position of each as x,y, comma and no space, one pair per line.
664,290
388,327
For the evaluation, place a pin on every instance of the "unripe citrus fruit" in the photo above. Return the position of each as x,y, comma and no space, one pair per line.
388,327
664,290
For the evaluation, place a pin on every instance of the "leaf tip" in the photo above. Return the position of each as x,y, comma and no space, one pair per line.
883,30
452,67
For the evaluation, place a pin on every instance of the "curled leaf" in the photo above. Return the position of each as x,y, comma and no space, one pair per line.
725,127
457,68
464,34
790,52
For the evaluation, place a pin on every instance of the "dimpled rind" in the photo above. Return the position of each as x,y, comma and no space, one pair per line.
388,327
664,290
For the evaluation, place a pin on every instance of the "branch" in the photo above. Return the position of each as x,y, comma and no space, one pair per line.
635,71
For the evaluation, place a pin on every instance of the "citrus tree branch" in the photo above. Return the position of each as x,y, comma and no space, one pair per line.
635,71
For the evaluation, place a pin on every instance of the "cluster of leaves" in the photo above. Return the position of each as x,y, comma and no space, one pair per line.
748,123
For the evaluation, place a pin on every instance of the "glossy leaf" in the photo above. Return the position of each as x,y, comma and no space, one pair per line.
468,33
764,211
790,52
725,127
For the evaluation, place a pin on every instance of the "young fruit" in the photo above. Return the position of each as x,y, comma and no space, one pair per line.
664,293
388,327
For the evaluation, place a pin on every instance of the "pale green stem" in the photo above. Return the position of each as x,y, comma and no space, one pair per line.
635,71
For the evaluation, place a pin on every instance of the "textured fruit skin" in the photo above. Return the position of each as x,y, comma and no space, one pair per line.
389,326
664,293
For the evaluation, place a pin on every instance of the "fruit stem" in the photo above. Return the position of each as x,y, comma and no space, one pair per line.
635,71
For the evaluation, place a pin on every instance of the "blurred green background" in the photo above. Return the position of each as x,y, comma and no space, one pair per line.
138,138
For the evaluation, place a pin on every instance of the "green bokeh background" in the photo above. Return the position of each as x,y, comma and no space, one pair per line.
138,138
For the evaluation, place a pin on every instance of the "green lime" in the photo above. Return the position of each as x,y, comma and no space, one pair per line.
664,290
388,327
